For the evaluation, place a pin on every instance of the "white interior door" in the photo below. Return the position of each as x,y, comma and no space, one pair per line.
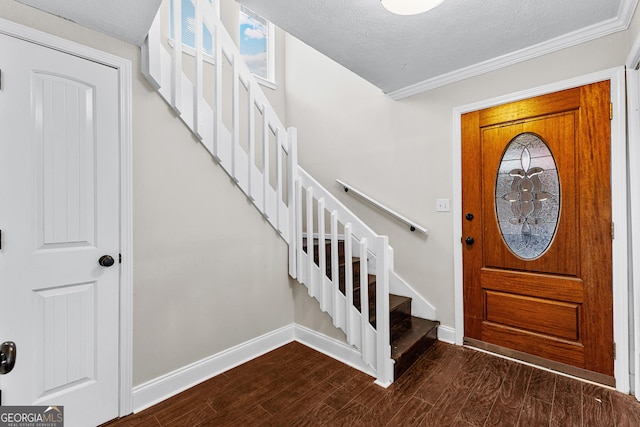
59,213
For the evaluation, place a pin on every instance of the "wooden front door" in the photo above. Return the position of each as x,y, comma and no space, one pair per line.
537,228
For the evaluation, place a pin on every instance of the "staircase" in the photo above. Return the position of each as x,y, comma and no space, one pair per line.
410,335
236,124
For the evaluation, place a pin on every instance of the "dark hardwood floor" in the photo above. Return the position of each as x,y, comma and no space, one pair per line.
448,386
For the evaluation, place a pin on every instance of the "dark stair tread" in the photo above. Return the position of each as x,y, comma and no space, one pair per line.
371,282
410,337
357,296
396,301
327,246
342,262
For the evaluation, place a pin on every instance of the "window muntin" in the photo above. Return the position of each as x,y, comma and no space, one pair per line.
188,12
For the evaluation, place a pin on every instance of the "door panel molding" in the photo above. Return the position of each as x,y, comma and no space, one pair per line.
123,67
619,205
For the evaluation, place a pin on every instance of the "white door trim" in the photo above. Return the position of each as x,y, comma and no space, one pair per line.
633,99
619,205
126,241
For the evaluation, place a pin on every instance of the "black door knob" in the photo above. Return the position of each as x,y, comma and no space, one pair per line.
106,261
469,241
469,216
7,357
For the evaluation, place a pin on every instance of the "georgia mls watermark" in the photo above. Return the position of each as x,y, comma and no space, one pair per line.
31,416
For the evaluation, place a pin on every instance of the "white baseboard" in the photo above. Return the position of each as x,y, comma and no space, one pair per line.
165,386
447,334
168,385
332,348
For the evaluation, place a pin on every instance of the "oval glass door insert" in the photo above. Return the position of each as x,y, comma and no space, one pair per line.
527,196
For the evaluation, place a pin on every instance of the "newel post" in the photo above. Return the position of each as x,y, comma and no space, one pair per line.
384,364
292,176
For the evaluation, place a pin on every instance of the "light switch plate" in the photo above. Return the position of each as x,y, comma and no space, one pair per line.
442,205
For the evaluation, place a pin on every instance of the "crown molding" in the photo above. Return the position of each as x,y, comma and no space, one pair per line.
605,28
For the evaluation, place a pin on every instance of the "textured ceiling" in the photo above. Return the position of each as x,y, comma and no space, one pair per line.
401,55
459,38
127,20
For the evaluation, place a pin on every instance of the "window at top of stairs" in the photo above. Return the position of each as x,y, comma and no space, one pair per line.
256,41
257,45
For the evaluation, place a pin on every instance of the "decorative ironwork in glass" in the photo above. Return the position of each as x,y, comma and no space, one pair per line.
527,196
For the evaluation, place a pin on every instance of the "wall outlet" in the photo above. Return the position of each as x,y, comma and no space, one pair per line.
442,205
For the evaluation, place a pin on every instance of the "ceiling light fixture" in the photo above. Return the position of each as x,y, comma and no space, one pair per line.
410,7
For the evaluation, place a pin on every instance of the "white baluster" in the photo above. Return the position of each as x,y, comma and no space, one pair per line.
322,257
279,144
219,58
292,174
235,118
176,58
364,299
252,142
151,56
348,276
335,267
298,214
265,161
310,285
197,95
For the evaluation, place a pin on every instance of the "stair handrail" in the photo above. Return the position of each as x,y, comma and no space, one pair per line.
413,225
164,71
